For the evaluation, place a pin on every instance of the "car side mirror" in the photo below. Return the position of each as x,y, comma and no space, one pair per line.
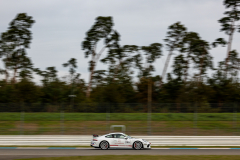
126,138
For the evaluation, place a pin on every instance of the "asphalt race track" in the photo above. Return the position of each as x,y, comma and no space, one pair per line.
9,154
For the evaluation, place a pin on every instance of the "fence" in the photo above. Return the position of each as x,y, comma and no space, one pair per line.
188,119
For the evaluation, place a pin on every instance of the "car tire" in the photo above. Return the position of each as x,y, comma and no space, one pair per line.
104,145
137,145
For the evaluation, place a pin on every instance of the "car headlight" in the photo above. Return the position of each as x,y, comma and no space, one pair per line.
144,140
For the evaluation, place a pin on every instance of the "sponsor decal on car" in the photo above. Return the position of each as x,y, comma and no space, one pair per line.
121,145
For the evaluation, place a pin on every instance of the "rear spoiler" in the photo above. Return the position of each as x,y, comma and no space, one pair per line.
95,135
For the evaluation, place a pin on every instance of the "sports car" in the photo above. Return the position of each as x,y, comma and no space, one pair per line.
118,140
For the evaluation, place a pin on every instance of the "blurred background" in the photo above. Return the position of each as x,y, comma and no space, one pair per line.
173,86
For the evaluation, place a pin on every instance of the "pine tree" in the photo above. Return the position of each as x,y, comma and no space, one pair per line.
15,41
173,41
101,30
228,23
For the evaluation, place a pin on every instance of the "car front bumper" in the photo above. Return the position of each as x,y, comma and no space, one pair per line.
147,145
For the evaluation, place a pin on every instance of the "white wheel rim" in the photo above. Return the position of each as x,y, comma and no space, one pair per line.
104,145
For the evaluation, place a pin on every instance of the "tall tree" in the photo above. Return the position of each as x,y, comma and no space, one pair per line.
119,58
234,65
151,53
15,41
101,30
189,45
228,23
143,61
197,51
118,78
49,75
201,57
4,50
180,65
72,64
173,41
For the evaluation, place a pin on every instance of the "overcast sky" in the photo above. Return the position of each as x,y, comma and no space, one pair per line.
61,26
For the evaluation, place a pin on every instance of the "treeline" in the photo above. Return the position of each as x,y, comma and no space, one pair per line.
129,77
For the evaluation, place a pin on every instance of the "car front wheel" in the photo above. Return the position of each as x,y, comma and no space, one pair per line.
137,145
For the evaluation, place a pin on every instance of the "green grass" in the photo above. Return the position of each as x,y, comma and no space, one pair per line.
88,123
207,128
151,146
120,116
142,157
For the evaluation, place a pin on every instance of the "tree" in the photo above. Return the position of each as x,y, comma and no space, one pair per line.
52,89
49,75
174,39
117,80
72,64
119,58
196,51
201,57
101,30
228,23
180,65
226,89
27,91
99,77
114,56
188,47
151,52
15,41
219,41
4,50
19,63
234,65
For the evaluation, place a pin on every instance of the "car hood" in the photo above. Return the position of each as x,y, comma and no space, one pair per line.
138,139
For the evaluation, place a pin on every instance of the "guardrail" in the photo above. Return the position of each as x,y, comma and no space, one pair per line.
84,140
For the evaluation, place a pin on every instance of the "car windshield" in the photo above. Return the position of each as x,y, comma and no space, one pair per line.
127,136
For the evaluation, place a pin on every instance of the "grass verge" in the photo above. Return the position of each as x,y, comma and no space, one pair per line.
12,116
141,157
221,124
151,146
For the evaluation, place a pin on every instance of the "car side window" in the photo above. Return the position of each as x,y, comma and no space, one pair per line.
119,136
109,136
122,136
114,135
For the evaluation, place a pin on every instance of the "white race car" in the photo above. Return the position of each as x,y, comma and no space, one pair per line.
118,140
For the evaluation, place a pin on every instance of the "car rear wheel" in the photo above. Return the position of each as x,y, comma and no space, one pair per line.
104,145
137,145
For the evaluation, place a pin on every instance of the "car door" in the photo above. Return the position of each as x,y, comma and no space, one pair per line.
127,142
116,141
120,141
